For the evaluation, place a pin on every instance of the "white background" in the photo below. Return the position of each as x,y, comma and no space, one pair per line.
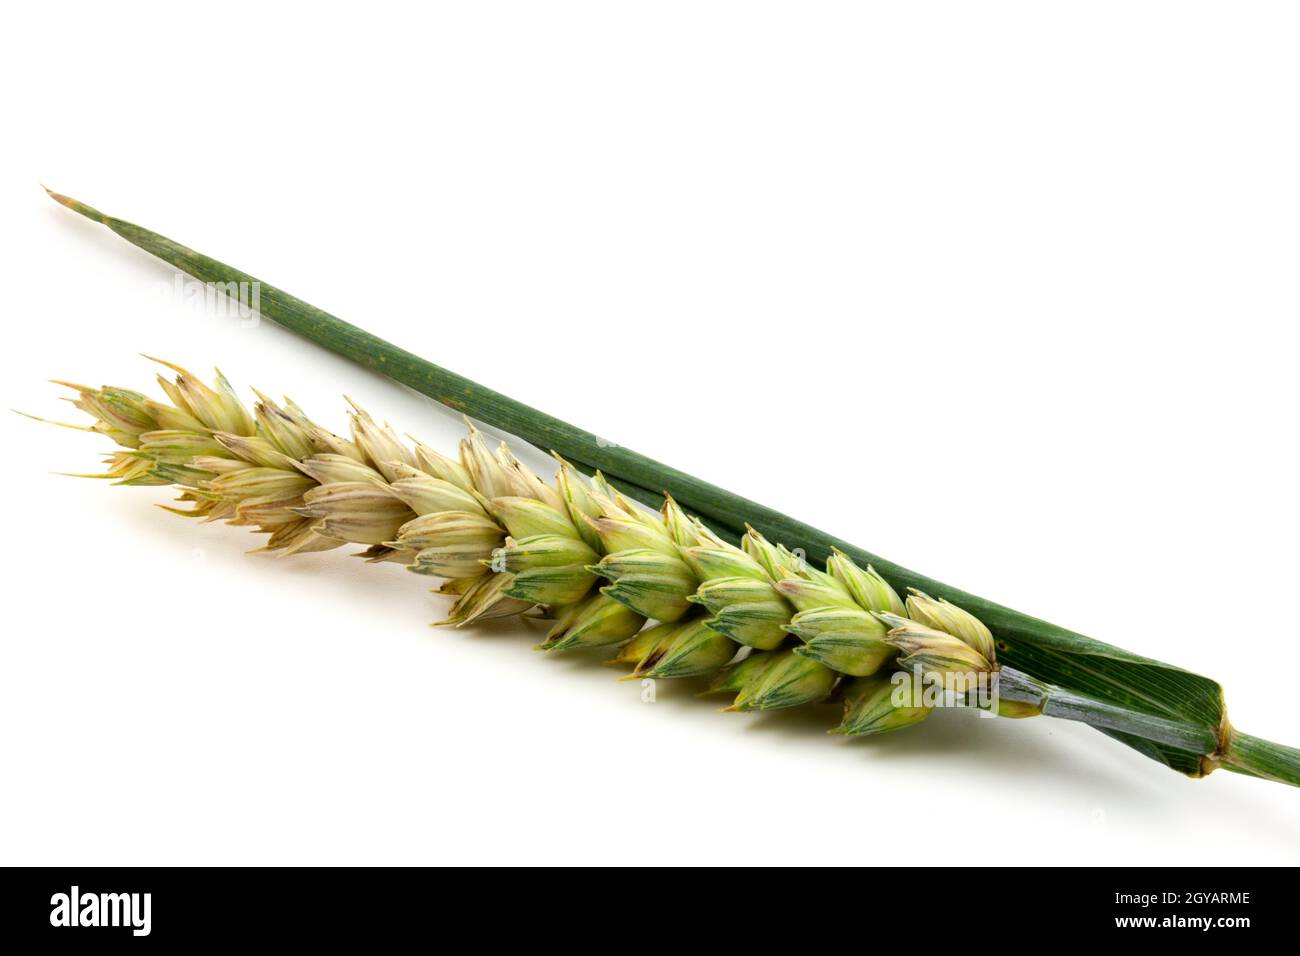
1006,292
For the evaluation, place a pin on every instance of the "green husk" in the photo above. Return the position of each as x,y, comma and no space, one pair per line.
1131,684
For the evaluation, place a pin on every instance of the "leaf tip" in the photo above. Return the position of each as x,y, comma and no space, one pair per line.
88,211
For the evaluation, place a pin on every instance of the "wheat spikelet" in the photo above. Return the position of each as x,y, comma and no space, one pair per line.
757,620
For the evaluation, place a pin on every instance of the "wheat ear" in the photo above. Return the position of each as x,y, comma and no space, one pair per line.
758,621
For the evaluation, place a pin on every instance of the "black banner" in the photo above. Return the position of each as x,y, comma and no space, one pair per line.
134,907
